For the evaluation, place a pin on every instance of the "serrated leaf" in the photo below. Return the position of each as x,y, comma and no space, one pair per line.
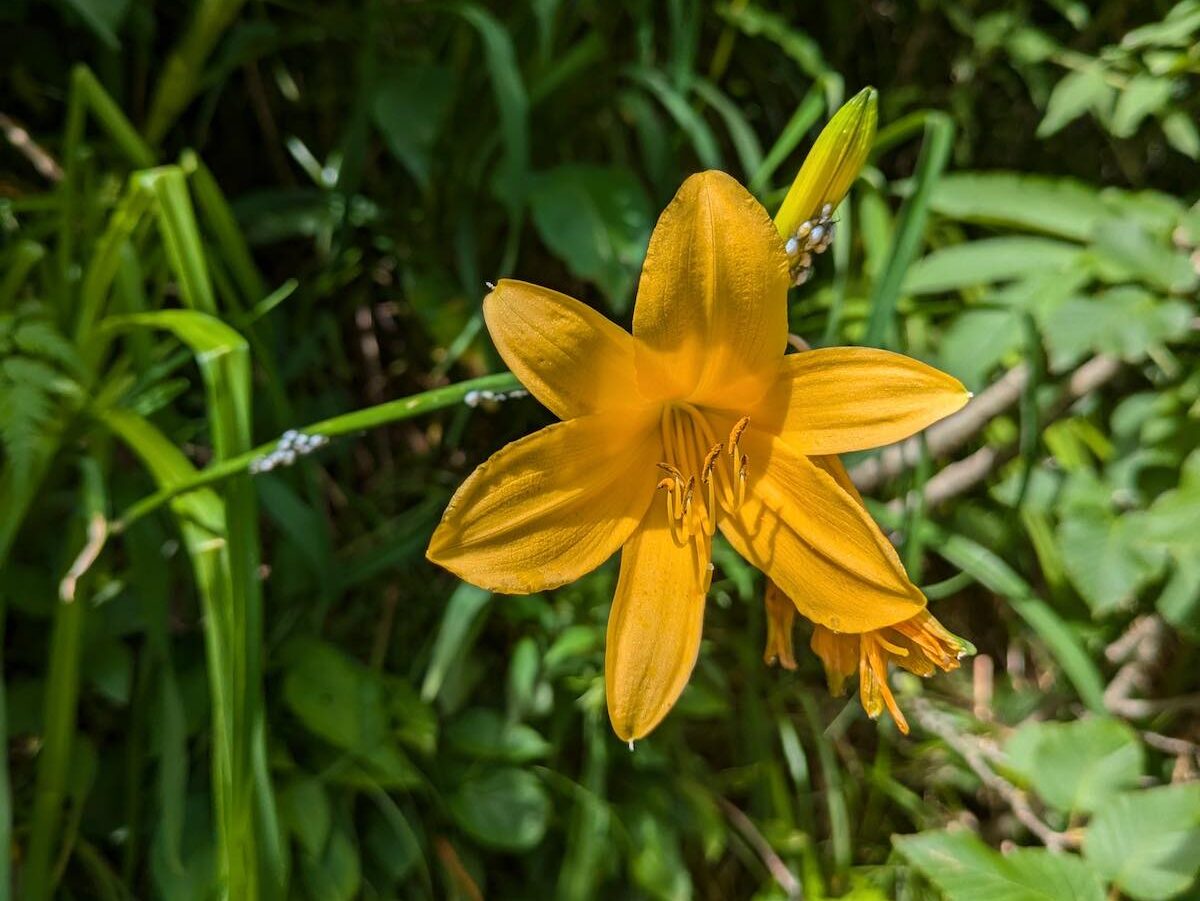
1148,842
966,869
1077,766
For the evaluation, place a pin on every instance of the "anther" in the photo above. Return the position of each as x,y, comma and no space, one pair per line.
743,474
671,471
736,435
709,462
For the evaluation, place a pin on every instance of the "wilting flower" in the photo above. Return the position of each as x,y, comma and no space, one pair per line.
698,421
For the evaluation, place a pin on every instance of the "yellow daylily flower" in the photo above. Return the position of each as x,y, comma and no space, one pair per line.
698,421
805,219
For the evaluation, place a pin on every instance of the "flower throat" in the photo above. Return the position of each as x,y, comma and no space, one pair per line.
700,483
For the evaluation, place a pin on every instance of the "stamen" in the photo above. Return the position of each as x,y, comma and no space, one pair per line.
686,514
736,435
743,474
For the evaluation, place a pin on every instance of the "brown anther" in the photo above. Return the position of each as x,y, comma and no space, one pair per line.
709,462
671,471
687,494
735,436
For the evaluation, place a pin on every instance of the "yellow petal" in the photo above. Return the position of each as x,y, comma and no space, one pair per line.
841,399
833,163
548,508
781,617
711,313
654,626
570,357
839,655
817,542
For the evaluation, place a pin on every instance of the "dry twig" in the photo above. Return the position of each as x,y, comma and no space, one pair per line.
972,752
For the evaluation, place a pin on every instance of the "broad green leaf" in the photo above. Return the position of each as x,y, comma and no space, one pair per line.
976,342
966,869
1175,30
987,261
1181,133
1078,93
485,735
1054,206
1125,322
1126,243
1105,558
1077,766
336,874
409,105
1148,842
506,809
597,220
1144,96
335,697
306,812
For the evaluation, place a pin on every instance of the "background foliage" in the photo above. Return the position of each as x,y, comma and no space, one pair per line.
223,220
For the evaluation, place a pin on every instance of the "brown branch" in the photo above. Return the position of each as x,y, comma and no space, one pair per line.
20,138
779,871
963,475
969,748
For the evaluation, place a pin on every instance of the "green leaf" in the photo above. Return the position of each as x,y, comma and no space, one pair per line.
597,220
335,875
1053,206
1127,243
966,869
485,735
1148,842
1125,322
306,812
408,107
1105,559
1144,96
1181,133
987,261
335,697
1078,93
506,809
1077,766
976,342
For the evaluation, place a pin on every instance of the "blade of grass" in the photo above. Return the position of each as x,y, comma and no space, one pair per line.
910,228
703,141
804,118
184,67
745,141
62,698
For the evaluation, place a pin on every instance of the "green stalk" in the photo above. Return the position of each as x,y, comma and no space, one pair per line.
183,70
346,424
62,697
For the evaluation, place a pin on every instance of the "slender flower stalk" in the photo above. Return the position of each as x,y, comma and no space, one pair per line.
697,422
